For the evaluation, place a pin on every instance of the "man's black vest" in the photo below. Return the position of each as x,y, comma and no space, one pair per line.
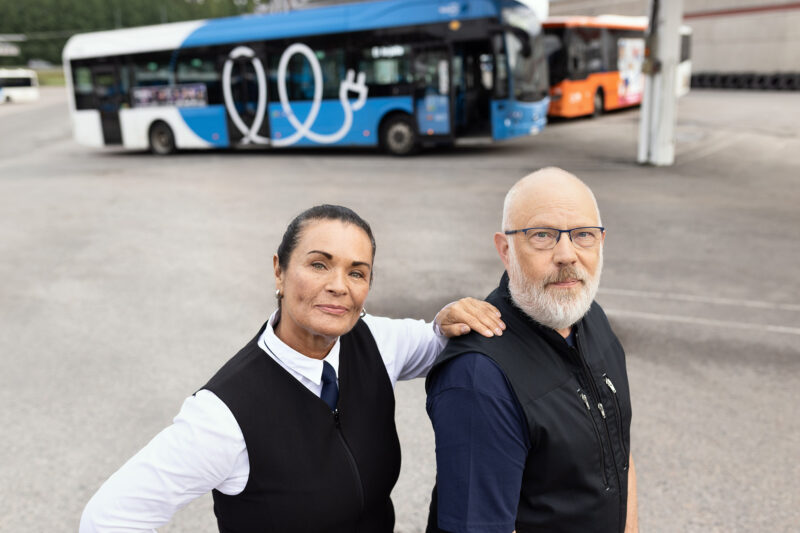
577,408
311,470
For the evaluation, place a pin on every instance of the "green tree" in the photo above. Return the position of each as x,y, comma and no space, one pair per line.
49,23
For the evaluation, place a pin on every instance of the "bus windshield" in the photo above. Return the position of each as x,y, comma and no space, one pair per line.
526,60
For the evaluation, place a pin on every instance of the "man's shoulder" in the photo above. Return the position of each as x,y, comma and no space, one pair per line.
598,329
472,371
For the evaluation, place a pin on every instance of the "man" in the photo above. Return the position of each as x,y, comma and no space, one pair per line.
533,427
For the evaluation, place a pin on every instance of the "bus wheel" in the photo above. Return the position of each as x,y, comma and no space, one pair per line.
162,140
598,104
398,136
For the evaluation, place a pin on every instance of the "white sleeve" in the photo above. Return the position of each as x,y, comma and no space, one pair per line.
203,449
408,347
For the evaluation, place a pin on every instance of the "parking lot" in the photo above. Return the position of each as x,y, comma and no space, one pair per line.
126,280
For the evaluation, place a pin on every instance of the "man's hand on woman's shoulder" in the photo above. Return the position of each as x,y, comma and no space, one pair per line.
469,314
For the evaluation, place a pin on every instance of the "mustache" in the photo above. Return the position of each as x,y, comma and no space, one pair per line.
565,273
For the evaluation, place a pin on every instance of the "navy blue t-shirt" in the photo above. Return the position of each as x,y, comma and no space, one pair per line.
482,443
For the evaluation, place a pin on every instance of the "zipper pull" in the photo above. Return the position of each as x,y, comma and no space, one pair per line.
609,384
585,400
600,408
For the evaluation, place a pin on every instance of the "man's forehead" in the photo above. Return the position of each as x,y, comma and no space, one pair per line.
554,202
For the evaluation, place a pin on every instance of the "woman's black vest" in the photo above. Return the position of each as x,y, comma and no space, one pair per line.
312,470
577,408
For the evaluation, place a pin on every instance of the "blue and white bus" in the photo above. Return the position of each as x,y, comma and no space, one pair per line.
399,74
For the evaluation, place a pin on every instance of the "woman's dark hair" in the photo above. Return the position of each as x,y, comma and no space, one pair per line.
318,212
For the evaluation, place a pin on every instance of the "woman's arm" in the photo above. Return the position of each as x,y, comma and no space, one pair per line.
203,449
409,347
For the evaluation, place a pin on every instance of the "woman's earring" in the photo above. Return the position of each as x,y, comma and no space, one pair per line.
363,312
278,294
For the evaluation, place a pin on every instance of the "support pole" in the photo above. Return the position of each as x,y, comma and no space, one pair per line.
659,113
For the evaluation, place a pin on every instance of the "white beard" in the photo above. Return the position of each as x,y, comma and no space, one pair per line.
553,308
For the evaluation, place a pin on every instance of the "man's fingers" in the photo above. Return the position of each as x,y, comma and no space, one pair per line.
477,315
482,317
455,330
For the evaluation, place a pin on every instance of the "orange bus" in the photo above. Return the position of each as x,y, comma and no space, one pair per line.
595,63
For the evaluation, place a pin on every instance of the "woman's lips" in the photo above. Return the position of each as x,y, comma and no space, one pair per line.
333,309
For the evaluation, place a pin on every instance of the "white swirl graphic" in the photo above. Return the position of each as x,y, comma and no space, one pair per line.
350,84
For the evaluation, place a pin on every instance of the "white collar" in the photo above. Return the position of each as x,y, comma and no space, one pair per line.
308,367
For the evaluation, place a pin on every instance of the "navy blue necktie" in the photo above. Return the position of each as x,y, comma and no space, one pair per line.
330,389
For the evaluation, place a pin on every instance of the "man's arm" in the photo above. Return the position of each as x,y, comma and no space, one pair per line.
481,446
632,519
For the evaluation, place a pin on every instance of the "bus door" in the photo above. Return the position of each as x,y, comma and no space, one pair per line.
432,90
108,100
473,68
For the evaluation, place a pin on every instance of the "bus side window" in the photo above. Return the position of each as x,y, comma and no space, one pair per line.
300,76
387,69
611,48
84,90
577,55
332,63
587,52
199,67
152,71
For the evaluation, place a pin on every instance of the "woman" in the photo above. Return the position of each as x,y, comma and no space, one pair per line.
283,446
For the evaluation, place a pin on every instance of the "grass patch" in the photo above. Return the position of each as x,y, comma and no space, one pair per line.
51,77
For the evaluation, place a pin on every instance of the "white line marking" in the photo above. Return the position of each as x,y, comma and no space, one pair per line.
701,299
703,321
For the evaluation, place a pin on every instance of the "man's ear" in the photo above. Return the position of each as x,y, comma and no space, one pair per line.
501,243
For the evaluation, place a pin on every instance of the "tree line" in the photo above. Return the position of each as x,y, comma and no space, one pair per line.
49,23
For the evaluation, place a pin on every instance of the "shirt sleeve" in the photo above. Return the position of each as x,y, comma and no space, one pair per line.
203,449
481,446
408,347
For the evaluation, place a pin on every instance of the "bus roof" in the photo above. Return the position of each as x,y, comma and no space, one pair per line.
313,21
619,22
17,73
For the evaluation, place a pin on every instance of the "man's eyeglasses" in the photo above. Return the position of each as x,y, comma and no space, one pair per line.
547,238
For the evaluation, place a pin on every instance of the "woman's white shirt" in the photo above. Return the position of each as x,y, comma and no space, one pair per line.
204,448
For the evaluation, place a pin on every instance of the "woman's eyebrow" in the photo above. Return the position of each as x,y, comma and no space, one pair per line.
326,254
361,263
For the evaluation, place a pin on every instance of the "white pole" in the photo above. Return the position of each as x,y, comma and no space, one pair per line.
659,112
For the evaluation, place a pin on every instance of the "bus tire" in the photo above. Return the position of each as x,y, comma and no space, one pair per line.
398,135
162,140
599,103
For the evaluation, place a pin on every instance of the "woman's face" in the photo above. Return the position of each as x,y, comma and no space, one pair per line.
324,285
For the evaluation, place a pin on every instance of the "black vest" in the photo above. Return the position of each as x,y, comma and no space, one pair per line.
311,470
577,408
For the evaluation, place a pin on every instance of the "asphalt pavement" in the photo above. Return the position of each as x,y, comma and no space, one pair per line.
126,280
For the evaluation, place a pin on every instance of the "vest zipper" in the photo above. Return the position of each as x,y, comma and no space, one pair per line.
613,390
351,460
585,400
596,394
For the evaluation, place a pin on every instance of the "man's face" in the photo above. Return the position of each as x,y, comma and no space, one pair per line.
555,287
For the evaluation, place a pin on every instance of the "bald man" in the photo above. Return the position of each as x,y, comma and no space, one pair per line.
533,427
